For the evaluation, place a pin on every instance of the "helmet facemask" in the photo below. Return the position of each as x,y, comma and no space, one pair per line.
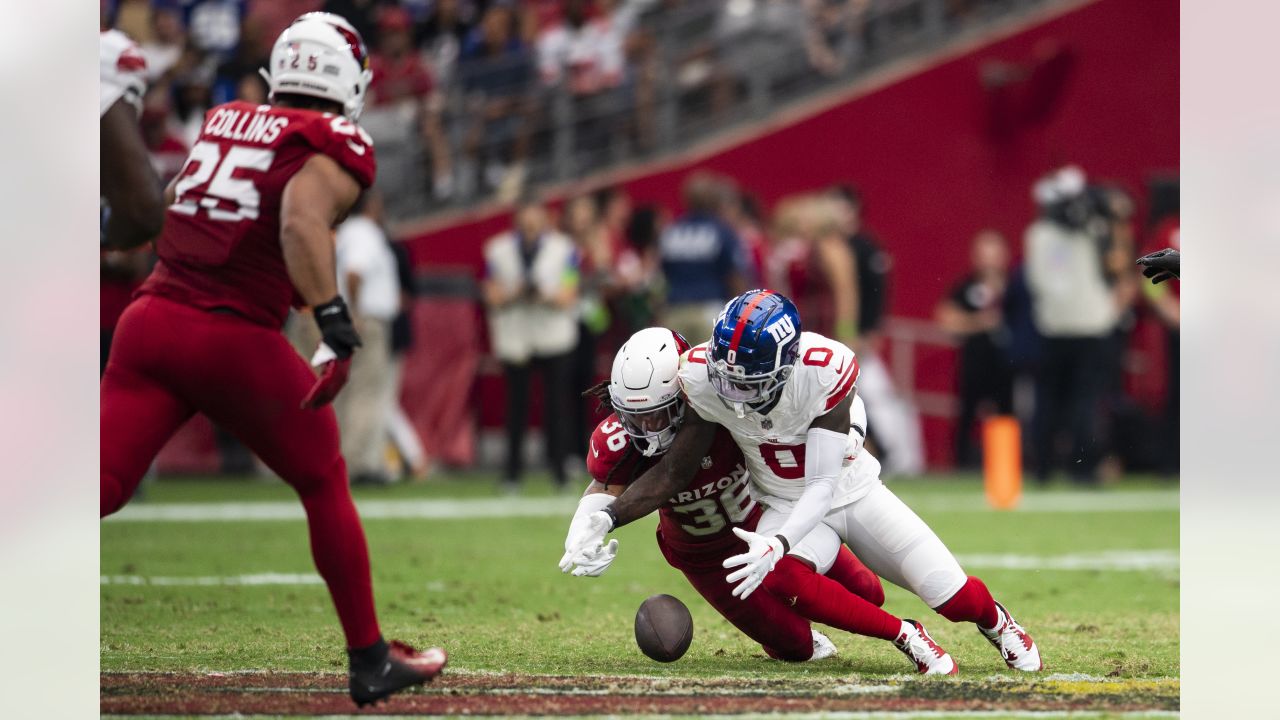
740,391
651,429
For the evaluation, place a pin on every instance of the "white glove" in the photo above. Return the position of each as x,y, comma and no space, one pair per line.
762,556
585,541
596,560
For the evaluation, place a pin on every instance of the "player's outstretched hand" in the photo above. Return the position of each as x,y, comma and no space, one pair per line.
595,562
762,555
1161,265
582,544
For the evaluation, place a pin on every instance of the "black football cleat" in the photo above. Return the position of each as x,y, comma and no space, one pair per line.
403,667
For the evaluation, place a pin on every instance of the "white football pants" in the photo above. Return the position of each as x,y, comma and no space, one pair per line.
888,537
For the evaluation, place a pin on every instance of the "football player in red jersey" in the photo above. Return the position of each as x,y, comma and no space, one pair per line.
695,527
248,233
129,183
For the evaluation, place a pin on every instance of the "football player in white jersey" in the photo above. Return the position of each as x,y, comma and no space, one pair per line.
787,397
130,186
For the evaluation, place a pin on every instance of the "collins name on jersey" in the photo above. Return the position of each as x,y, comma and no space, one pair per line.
220,247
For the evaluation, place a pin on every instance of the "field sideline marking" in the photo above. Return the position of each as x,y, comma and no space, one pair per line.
830,715
900,677
481,508
256,579
1113,560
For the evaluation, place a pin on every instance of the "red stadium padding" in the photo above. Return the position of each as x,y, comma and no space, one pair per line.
937,153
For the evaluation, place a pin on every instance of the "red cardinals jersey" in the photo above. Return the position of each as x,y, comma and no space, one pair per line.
716,500
221,242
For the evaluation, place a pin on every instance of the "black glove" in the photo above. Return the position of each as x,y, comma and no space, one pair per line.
1161,265
336,327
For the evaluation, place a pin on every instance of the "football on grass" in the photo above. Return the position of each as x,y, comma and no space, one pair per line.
664,628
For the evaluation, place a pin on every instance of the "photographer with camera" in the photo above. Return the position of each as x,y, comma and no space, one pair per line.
1076,307
530,290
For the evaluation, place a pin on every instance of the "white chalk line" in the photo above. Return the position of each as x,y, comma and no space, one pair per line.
254,579
826,715
485,508
1104,560
1107,560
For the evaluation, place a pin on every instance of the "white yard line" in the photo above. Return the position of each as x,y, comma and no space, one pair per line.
1107,560
482,508
256,579
1104,560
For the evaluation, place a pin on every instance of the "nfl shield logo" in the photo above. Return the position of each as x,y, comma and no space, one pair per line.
706,463
767,424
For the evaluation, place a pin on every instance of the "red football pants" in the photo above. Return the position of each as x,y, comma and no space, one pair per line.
169,361
762,616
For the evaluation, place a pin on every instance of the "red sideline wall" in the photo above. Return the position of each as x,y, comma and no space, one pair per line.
939,156
936,155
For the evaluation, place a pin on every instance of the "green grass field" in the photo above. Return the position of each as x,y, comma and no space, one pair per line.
1092,575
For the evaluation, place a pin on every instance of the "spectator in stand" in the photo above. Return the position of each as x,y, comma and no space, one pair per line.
214,27
167,44
530,289
247,59
583,225
1075,310
974,312
168,152
443,32
831,265
835,38
637,270
496,71
1163,298
613,205
741,211
413,457
703,261
362,14
586,56
405,108
893,419
1120,416
812,263
369,281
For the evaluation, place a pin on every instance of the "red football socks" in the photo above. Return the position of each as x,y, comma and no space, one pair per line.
826,601
973,603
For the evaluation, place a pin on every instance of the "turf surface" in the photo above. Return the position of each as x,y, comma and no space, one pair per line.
489,591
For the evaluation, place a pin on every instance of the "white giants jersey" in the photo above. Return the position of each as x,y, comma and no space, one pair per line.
122,69
774,444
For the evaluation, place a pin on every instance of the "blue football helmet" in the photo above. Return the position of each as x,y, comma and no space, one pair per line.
753,349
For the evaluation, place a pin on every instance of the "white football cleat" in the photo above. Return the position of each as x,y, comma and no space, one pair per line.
930,659
1015,645
823,648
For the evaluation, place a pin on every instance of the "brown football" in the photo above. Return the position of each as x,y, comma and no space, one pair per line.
664,628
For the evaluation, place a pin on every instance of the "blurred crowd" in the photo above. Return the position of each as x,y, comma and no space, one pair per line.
1044,340
1047,340
467,93
477,98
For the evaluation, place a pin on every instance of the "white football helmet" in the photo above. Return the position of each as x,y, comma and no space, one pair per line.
643,388
321,55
